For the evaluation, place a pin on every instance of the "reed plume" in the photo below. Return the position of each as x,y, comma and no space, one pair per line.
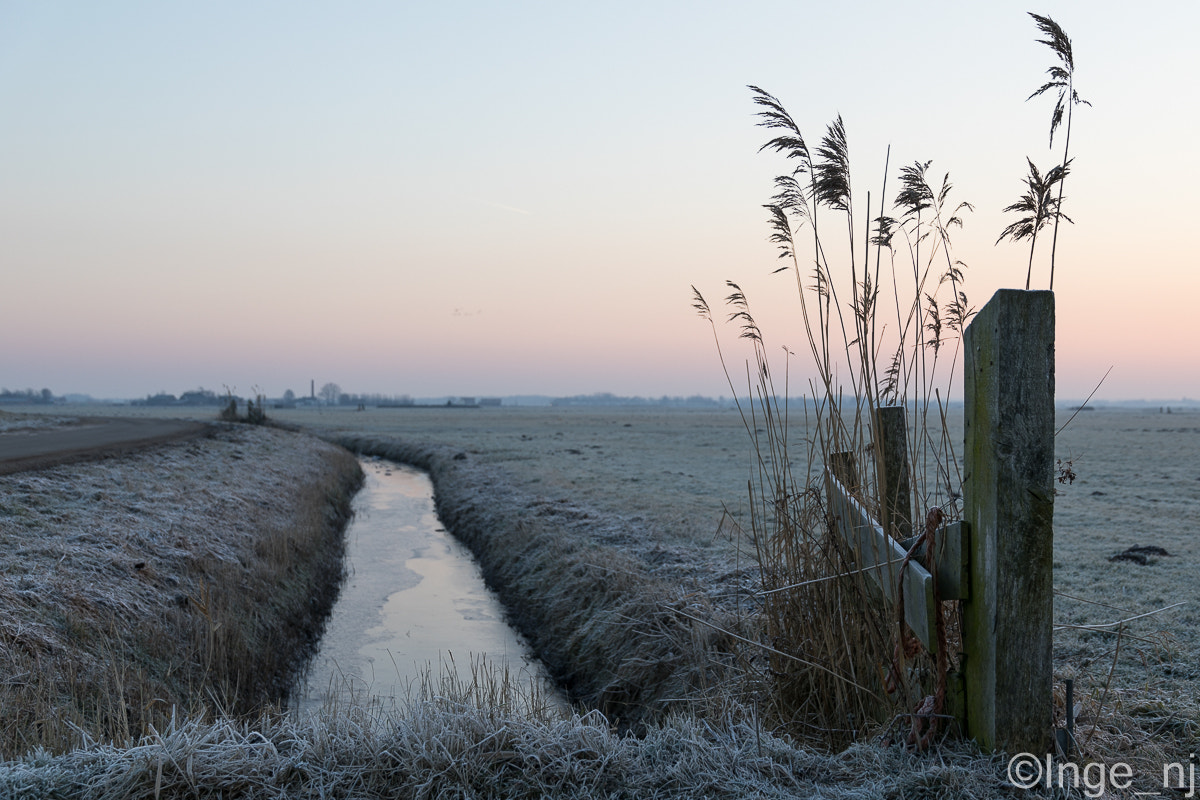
1062,80
1039,205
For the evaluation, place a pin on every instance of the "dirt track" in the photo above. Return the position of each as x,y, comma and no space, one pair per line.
88,439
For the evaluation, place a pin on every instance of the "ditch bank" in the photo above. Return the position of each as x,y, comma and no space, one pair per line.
612,634
191,578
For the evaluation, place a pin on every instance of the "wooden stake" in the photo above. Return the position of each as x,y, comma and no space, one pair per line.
1009,506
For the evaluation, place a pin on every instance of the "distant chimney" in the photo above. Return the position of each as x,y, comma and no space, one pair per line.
312,388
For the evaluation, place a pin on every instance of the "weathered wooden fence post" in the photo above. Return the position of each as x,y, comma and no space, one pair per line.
1008,499
891,457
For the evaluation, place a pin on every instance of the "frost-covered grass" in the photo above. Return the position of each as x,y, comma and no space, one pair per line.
181,580
601,576
445,745
11,422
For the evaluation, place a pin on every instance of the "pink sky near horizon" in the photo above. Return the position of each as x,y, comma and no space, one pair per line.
474,200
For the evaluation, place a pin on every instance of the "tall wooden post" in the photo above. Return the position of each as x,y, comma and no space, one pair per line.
1009,504
891,458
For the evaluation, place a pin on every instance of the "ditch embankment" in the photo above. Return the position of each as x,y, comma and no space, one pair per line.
617,638
190,579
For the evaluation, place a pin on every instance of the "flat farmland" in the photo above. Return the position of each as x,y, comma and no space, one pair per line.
671,475
661,481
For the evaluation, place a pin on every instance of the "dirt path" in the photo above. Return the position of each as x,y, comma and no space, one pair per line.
87,439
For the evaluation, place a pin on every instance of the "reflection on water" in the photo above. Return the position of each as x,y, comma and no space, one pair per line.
414,600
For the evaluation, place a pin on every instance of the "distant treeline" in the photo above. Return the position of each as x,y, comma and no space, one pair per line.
329,395
196,397
44,397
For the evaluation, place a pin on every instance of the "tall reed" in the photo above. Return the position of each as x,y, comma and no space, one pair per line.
882,321
1062,80
882,314
1039,205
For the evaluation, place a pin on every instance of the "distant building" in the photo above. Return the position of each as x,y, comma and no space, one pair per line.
489,401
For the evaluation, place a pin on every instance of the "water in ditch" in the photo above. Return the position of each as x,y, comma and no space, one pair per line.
414,607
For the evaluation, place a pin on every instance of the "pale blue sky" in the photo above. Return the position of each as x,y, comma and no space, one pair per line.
496,198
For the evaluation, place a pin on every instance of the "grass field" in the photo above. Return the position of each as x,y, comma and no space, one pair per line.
651,488
664,479
190,578
670,477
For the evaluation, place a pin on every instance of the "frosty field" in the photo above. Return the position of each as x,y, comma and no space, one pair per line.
655,487
191,574
672,474
662,481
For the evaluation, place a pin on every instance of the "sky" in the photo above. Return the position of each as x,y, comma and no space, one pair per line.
467,198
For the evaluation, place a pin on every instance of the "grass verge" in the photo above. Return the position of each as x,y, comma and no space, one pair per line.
187,581
443,744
